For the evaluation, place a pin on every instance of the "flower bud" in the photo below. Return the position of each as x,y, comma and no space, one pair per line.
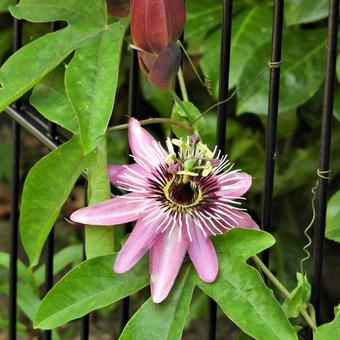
161,69
156,23
194,139
118,8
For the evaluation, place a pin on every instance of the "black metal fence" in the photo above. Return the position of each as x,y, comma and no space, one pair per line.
24,117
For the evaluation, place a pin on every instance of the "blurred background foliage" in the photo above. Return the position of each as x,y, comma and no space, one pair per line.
302,79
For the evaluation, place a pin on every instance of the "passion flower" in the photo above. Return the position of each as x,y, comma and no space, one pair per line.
179,199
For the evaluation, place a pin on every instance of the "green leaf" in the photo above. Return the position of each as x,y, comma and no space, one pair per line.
160,100
329,331
92,13
46,189
66,256
250,29
186,112
337,101
201,18
98,240
50,99
48,51
240,291
91,82
23,273
164,321
5,43
4,4
305,11
333,218
44,54
300,296
28,299
301,76
89,286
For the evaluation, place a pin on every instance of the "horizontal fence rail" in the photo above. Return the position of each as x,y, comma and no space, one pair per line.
25,117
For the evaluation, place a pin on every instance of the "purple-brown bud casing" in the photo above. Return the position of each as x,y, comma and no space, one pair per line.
161,69
156,23
118,8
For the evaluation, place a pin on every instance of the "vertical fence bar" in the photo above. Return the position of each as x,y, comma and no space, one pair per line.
326,131
224,74
221,128
273,107
49,252
15,191
132,106
49,270
85,320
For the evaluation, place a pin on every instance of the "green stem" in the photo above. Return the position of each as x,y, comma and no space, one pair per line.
154,121
191,63
307,318
182,85
285,292
179,102
98,240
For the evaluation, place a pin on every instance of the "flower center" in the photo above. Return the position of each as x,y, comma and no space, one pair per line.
183,193
182,196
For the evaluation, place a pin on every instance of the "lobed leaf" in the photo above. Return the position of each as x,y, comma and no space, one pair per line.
240,291
250,29
28,299
329,331
305,11
46,189
91,82
48,51
50,99
75,12
164,321
301,76
87,19
66,256
89,286
201,18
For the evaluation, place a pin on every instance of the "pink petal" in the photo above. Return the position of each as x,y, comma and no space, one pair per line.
121,209
144,147
203,256
127,175
235,219
234,184
166,258
142,238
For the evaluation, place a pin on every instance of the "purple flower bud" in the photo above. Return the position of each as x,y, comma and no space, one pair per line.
194,139
174,167
161,69
215,162
156,23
